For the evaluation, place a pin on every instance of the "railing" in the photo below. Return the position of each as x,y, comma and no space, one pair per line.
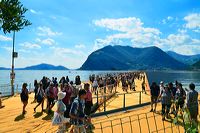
5,89
150,122
137,123
108,95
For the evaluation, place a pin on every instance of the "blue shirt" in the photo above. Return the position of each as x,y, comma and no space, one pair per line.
77,109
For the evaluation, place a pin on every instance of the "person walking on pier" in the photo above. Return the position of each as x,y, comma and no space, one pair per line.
179,98
88,101
77,115
50,97
155,91
166,96
58,118
24,97
192,102
40,97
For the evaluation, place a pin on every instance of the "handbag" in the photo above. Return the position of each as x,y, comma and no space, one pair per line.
39,98
59,119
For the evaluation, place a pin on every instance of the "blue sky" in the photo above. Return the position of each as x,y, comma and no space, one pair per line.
65,32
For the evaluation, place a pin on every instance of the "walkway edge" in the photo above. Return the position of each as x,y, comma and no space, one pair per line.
120,109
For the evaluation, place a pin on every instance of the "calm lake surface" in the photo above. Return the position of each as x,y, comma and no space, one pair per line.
28,76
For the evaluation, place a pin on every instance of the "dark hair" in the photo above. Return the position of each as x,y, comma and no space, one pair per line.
81,92
179,84
192,86
86,86
153,83
24,85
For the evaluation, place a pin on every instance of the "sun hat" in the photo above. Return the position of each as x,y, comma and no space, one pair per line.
61,95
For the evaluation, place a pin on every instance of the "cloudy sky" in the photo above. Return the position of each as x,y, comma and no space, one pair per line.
65,32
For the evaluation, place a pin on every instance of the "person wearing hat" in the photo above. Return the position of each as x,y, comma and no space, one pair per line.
24,97
59,118
161,85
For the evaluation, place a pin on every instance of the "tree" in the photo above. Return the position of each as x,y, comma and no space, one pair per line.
12,19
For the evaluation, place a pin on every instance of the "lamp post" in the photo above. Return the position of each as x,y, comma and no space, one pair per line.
13,61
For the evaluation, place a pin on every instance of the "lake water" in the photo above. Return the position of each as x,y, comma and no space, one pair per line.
28,76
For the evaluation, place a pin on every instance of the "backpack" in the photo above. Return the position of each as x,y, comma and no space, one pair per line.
39,97
23,96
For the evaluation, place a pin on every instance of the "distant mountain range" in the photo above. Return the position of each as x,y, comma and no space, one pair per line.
129,58
196,65
186,59
42,66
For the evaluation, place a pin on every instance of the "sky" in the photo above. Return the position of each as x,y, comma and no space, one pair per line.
65,32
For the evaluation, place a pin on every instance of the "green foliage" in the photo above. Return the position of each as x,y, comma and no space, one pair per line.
12,16
190,126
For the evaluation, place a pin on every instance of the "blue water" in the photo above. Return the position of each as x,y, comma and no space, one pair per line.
185,77
28,76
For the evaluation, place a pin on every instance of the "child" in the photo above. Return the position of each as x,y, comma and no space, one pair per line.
59,118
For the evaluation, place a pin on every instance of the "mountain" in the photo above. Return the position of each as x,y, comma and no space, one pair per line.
129,58
186,59
42,66
3,68
196,65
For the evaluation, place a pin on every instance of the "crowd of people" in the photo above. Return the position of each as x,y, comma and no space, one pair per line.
174,99
112,81
74,99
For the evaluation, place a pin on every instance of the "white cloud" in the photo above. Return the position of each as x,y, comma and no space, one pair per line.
121,24
65,51
132,31
24,51
33,11
47,41
170,18
80,46
181,43
129,29
5,38
53,17
193,21
7,48
46,31
29,45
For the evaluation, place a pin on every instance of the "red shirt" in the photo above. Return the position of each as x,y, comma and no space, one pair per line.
66,99
88,96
